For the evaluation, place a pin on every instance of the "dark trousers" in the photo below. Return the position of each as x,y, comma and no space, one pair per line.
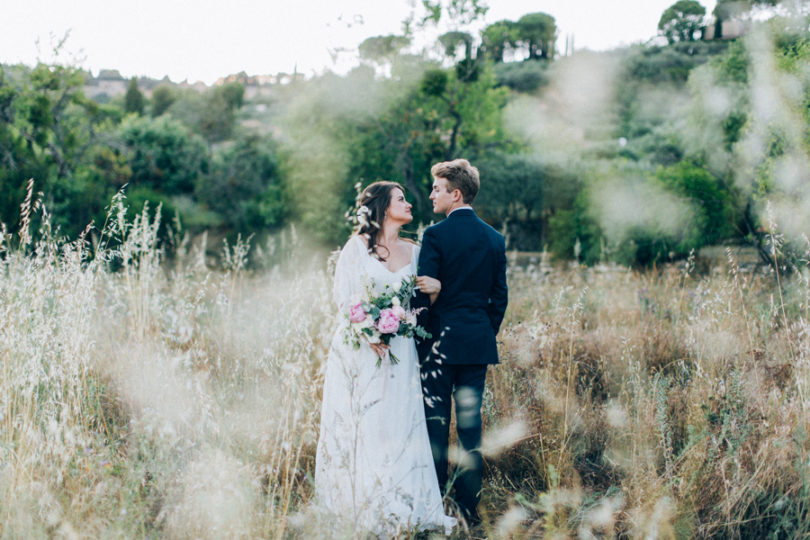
465,384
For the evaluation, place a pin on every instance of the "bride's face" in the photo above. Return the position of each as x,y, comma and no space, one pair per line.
399,211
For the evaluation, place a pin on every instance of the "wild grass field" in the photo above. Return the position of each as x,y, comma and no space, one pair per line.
145,396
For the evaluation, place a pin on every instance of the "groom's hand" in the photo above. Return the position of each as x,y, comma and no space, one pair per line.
428,285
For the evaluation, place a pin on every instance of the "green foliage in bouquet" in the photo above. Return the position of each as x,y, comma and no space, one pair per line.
380,318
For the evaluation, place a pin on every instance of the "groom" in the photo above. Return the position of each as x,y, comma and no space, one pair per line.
468,257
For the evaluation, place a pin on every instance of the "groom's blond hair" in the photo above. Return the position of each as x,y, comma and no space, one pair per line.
460,175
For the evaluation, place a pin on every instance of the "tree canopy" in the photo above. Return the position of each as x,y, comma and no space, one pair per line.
382,48
682,21
498,37
134,101
675,121
726,9
538,33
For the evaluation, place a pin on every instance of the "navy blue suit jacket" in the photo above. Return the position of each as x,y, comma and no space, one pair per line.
469,258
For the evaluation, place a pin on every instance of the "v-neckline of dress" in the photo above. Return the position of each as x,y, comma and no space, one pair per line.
410,261
395,271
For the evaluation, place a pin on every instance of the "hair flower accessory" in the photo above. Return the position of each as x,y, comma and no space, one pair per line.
362,215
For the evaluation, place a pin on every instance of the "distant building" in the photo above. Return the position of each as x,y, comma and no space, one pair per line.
724,30
109,83
260,85
255,85
109,75
199,86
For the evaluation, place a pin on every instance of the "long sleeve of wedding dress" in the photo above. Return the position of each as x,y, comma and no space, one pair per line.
374,470
348,275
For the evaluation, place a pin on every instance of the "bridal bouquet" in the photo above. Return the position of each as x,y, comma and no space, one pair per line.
380,318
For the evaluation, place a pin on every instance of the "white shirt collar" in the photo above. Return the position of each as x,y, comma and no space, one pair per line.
466,206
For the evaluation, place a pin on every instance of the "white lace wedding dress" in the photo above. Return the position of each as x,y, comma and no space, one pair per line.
374,471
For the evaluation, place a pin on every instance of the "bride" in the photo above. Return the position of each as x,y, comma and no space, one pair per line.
374,471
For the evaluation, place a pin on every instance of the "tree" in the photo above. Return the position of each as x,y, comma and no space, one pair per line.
460,113
218,118
232,93
715,216
383,49
682,21
59,117
727,9
84,197
515,184
49,131
21,157
457,13
163,154
467,67
574,233
162,98
451,41
442,117
134,101
244,185
538,32
212,114
497,37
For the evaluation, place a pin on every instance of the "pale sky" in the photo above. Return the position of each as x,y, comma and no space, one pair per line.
206,39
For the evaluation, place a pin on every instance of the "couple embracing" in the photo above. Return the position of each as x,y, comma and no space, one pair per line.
382,459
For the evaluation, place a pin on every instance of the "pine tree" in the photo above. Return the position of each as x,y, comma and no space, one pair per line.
134,100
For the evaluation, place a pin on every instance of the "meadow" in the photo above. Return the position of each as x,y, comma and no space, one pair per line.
144,395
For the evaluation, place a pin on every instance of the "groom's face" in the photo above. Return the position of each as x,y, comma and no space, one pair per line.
442,199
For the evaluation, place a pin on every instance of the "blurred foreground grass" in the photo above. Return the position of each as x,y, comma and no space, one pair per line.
169,399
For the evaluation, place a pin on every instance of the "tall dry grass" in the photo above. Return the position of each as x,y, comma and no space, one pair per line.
148,396
161,398
662,404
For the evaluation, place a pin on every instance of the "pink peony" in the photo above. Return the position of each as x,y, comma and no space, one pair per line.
357,313
388,323
400,312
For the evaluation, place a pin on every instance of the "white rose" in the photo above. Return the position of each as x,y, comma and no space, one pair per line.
365,323
395,301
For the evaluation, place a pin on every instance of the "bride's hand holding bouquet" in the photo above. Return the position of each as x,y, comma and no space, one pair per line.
378,319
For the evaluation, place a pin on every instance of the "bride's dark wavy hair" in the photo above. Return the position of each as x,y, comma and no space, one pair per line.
376,198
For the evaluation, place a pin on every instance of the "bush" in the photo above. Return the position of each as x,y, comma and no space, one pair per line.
574,234
672,63
163,154
244,185
525,76
715,216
